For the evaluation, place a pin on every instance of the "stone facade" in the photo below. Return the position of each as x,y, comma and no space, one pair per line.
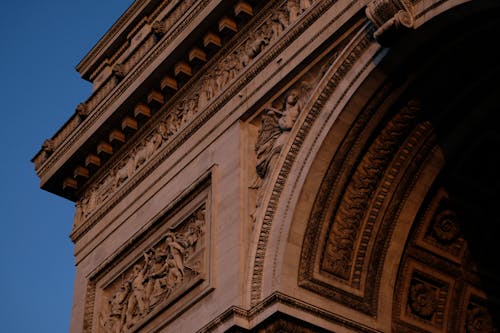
286,166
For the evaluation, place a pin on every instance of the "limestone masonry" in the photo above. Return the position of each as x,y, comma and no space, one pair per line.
286,166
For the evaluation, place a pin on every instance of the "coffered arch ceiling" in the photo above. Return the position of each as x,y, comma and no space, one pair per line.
397,212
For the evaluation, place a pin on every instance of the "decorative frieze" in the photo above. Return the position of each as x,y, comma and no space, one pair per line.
179,115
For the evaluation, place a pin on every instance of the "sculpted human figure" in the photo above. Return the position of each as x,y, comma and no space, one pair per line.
207,90
192,104
92,200
305,4
275,127
264,147
147,150
176,250
233,66
126,171
106,187
279,22
171,124
257,42
78,213
113,320
293,8
175,275
273,134
137,299
291,110
156,288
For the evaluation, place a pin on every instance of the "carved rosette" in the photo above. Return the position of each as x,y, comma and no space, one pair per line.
445,227
440,230
478,319
422,299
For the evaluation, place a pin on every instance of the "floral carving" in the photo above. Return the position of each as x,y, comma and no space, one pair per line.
446,227
422,300
163,269
341,241
478,319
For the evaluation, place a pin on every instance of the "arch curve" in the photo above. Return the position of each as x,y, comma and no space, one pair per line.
341,226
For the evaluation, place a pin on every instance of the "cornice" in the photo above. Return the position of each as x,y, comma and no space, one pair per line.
253,316
226,94
118,31
77,128
223,96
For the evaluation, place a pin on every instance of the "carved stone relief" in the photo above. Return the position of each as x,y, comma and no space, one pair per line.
179,115
390,17
345,229
343,250
438,288
478,317
164,270
275,123
440,231
427,298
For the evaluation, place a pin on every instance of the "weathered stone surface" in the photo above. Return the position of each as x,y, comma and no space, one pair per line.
286,166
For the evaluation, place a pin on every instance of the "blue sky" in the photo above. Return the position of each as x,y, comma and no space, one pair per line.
42,42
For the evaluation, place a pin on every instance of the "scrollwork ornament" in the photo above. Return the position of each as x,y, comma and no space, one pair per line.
390,17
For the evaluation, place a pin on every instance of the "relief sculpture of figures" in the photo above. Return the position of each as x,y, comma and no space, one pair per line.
211,85
162,270
273,134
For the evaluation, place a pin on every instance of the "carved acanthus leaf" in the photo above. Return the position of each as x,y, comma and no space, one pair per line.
344,234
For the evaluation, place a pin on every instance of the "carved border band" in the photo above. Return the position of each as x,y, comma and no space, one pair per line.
278,298
345,62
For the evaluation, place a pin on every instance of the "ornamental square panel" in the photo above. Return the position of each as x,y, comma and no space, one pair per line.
424,298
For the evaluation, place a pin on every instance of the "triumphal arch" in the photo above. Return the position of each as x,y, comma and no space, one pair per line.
286,166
